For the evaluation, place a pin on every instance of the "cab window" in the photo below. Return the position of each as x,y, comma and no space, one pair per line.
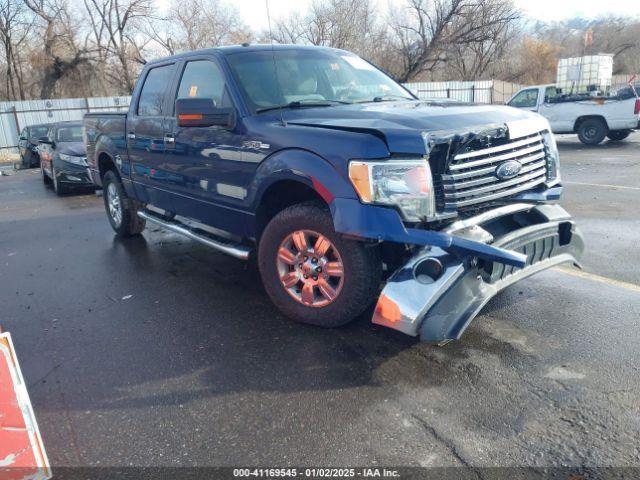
550,93
204,79
152,94
525,99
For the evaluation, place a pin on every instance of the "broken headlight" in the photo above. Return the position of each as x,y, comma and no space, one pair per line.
405,184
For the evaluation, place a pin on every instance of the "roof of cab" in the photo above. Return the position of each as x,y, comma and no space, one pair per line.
66,123
231,49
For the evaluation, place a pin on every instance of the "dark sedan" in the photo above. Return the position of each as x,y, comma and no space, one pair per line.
28,144
63,159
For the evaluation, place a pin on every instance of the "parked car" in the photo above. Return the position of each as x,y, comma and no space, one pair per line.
63,159
336,178
592,118
28,144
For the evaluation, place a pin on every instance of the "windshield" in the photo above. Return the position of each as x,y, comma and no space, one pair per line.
310,77
69,134
38,132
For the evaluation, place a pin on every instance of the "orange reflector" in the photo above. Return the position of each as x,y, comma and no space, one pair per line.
387,310
359,175
191,116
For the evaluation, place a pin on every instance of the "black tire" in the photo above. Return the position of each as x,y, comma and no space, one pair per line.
617,135
362,268
592,131
45,178
29,160
59,188
130,223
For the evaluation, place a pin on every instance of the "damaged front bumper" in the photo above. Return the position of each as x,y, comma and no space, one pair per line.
437,294
444,286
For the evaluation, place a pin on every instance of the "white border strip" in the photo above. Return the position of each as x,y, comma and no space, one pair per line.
42,461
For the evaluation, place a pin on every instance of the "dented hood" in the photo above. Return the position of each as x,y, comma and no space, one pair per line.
402,125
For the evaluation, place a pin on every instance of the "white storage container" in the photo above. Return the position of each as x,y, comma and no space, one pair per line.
577,74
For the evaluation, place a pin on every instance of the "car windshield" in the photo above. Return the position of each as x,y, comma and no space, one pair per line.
69,134
38,132
310,77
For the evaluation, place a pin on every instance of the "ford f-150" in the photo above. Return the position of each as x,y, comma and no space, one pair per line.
344,187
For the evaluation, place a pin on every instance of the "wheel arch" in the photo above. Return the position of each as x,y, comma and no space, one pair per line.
294,176
105,163
580,120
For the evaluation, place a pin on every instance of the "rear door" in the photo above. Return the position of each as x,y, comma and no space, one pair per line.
146,125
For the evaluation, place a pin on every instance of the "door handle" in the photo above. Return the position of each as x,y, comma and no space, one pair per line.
131,136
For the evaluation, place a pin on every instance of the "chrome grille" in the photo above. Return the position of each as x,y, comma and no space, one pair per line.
470,177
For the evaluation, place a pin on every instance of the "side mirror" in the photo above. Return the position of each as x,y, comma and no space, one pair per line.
23,138
45,140
202,112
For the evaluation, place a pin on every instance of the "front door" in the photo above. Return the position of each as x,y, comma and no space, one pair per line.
146,126
208,163
526,99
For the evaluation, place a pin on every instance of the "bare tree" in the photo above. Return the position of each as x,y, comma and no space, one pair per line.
61,54
426,29
13,32
347,24
479,55
117,32
196,24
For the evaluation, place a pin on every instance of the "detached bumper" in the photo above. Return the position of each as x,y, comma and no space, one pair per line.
438,292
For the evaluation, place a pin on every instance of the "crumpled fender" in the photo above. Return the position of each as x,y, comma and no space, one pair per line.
350,217
302,166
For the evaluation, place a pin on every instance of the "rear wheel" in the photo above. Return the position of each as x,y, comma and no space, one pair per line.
311,273
617,135
122,211
592,131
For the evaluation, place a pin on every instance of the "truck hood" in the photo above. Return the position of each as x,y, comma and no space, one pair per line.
404,125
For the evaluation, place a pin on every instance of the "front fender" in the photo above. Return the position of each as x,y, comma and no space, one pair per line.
302,166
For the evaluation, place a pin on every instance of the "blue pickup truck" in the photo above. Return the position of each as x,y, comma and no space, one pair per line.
342,185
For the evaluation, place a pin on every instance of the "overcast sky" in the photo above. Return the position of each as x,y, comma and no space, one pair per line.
255,14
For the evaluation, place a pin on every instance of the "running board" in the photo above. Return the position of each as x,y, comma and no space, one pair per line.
238,251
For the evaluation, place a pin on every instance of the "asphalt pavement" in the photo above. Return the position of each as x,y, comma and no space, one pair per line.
156,351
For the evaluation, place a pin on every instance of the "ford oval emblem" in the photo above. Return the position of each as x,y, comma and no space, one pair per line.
508,169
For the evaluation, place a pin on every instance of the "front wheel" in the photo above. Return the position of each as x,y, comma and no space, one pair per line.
121,210
617,135
59,188
45,178
311,273
592,131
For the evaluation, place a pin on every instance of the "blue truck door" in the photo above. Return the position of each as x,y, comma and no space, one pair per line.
208,161
146,125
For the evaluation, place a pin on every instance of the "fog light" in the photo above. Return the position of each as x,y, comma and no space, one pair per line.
428,271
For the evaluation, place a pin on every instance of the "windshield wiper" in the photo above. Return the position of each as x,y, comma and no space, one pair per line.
386,98
304,103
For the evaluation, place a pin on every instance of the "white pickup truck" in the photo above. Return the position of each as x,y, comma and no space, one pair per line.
592,118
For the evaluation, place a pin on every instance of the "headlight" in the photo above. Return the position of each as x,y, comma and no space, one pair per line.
552,157
72,159
406,184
